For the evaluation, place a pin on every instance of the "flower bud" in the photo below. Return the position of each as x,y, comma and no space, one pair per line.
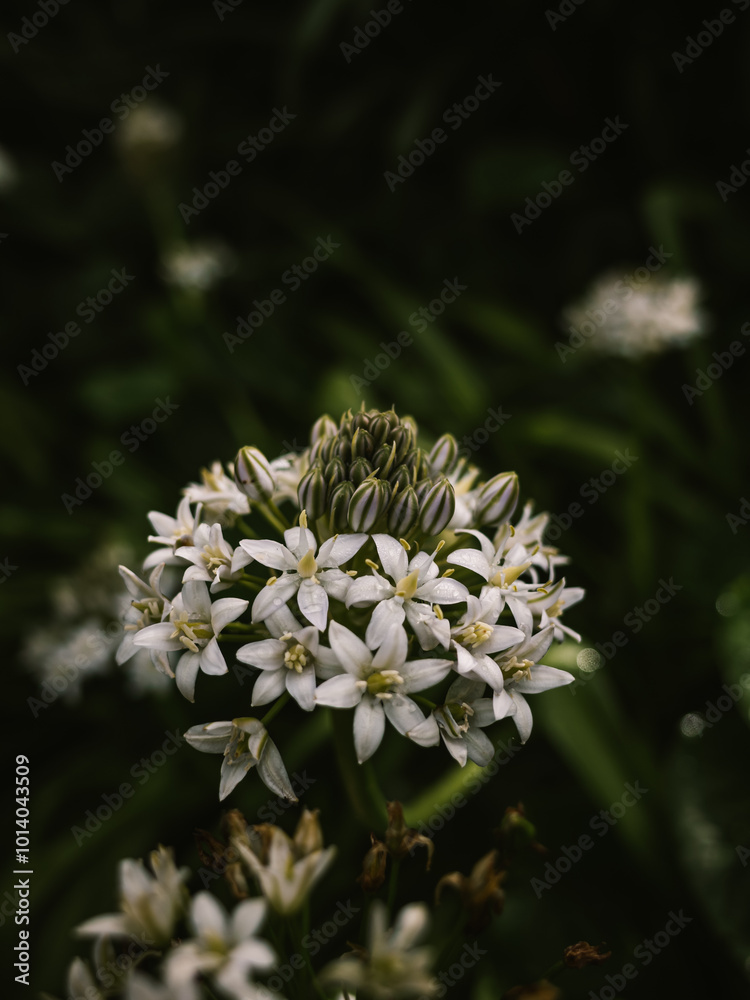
443,455
422,488
335,473
343,449
437,508
252,474
359,471
312,493
369,503
383,460
360,420
308,836
404,513
380,428
362,444
497,499
338,507
373,867
400,479
323,428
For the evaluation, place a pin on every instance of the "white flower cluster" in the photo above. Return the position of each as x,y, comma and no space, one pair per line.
632,321
224,951
393,572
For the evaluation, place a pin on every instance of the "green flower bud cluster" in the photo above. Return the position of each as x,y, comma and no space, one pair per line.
369,474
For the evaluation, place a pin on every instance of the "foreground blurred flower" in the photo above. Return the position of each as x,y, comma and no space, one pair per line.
481,893
224,948
151,904
392,966
198,265
616,318
291,866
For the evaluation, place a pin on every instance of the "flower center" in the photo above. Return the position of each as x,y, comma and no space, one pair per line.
295,658
307,566
508,575
190,633
213,557
475,634
517,670
407,587
381,683
456,718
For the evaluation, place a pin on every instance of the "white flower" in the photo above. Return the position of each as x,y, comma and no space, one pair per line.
475,638
194,625
461,720
377,685
287,471
288,876
462,479
525,675
550,606
171,532
411,595
149,127
148,607
501,567
140,987
211,557
151,904
289,661
391,967
219,494
198,265
245,743
224,948
639,320
311,577
81,982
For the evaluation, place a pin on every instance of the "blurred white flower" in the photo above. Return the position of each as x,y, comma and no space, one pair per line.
636,320
198,265
149,127
392,966
150,904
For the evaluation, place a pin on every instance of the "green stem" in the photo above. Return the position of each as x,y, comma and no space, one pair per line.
269,516
250,532
359,779
393,885
276,709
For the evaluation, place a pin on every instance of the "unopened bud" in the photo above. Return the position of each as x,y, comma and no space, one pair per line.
253,475
497,499
308,836
437,508
383,460
338,507
404,513
369,503
373,867
359,470
380,428
443,455
323,428
312,493
362,444
335,473
400,479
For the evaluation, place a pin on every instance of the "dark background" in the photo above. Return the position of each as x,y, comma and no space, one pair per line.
321,177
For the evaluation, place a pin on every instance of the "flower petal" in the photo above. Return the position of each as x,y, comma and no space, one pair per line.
393,557
209,738
269,686
186,673
386,617
543,679
352,653
313,603
225,610
274,596
339,692
267,654
369,726
421,674
302,687
212,658
269,553
340,549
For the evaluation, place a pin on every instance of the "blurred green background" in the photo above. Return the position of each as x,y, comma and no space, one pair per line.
227,73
